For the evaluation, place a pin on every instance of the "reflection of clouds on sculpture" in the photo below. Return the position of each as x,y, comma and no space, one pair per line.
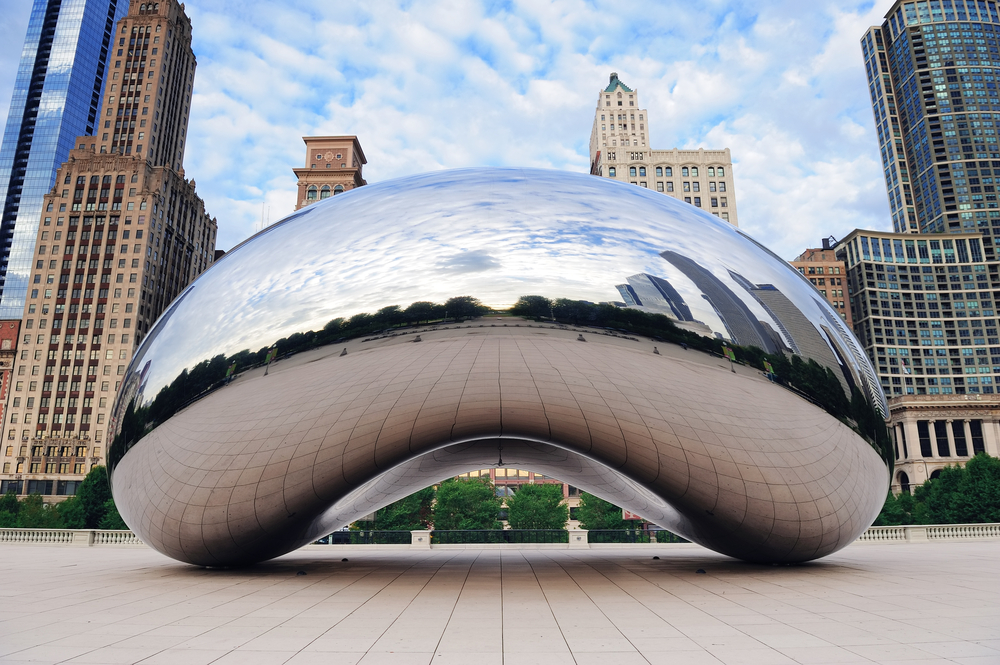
489,233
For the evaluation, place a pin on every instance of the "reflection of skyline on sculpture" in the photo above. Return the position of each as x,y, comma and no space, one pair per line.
551,233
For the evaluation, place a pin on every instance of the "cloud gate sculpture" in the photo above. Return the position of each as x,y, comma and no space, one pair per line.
612,378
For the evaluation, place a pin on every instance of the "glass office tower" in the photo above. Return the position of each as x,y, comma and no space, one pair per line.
932,72
56,98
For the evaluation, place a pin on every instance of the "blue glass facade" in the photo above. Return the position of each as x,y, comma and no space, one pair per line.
933,72
56,98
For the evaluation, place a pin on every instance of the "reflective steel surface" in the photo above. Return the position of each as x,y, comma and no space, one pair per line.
219,459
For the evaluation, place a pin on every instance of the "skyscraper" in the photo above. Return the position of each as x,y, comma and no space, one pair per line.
56,97
619,149
932,75
121,234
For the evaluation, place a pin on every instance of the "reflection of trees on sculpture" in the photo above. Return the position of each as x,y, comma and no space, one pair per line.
815,382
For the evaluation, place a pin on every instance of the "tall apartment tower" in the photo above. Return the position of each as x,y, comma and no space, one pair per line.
333,165
57,94
619,149
121,233
932,72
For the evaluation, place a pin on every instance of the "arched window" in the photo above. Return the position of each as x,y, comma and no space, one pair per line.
325,192
935,473
339,189
311,193
685,172
670,172
631,171
642,171
659,171
611,172
904,482
694,171
721,172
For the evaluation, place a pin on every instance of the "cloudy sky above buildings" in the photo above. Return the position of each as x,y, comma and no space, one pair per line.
430,85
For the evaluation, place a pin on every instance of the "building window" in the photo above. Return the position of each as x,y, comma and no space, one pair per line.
659,171
721,173
685,172
715,202
631,171
670,186
659,186
696,186
311,193
697,201
642,171
711,171
339,189
611,172
325,192
687,187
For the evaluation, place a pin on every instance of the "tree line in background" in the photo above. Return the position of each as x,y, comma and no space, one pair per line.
472,504
967,494
91,508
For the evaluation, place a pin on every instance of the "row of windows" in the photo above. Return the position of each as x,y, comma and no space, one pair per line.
668,171
323,192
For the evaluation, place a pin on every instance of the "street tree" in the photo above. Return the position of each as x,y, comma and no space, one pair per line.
537,506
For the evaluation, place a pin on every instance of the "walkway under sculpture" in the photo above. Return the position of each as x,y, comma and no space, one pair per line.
920,603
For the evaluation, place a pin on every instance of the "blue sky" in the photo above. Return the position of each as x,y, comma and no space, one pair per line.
434,85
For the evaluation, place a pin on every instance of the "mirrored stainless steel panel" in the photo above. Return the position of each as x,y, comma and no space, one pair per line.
338,349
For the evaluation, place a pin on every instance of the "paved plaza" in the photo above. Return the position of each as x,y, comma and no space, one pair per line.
901,603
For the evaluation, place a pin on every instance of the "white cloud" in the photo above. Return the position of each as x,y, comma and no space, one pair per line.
429,85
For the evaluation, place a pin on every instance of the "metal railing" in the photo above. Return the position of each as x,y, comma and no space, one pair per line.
366,537
491,536
418,539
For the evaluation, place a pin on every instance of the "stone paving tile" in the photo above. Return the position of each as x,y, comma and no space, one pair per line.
896,604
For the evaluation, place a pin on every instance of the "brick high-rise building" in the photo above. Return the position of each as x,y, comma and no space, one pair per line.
333,165
619,149
122,232
829,275
56,97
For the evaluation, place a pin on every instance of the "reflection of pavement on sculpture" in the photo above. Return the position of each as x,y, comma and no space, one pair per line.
744,466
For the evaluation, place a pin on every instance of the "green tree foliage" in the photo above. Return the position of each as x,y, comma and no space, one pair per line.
537,506
71,513
409,513
467,504
91,508
535,307
9,508
959,495
111,519
465,307
94,493
596,513
35,514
